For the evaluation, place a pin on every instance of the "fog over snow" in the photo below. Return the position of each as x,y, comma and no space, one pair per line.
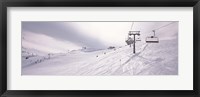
61,36
81,48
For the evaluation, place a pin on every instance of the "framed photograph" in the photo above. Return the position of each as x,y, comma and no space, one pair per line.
62,48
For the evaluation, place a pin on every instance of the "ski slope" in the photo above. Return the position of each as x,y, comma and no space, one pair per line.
150,59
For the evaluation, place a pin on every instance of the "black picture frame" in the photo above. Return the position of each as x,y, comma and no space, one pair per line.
99,3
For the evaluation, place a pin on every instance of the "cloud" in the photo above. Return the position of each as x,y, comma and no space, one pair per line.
61,31
99,34
45,43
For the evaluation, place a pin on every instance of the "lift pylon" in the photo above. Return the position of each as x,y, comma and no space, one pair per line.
134,33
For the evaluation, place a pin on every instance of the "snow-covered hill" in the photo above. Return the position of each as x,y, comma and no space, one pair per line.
150,59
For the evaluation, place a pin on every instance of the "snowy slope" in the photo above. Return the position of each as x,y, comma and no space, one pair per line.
112,62
37,48
150,59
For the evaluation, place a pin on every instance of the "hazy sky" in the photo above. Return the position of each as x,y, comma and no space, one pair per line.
89,34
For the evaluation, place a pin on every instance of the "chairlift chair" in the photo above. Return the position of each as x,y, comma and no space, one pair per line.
138,39
129,41
152,39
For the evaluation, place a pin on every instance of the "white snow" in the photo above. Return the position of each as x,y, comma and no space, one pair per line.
46,43
150,59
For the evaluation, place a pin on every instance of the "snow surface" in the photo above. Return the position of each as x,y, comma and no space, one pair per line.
150,59
107,62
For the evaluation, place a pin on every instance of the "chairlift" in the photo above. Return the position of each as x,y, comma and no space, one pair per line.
152,39
138,39
129,41
134,32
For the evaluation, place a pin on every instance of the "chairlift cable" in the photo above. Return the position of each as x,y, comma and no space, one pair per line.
164,26
131,26
156,39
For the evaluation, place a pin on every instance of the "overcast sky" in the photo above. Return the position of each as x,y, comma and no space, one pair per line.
89,34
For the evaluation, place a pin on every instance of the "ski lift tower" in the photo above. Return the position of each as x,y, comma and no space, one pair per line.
134,33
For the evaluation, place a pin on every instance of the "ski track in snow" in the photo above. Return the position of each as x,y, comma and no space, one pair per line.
150,59
109,62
